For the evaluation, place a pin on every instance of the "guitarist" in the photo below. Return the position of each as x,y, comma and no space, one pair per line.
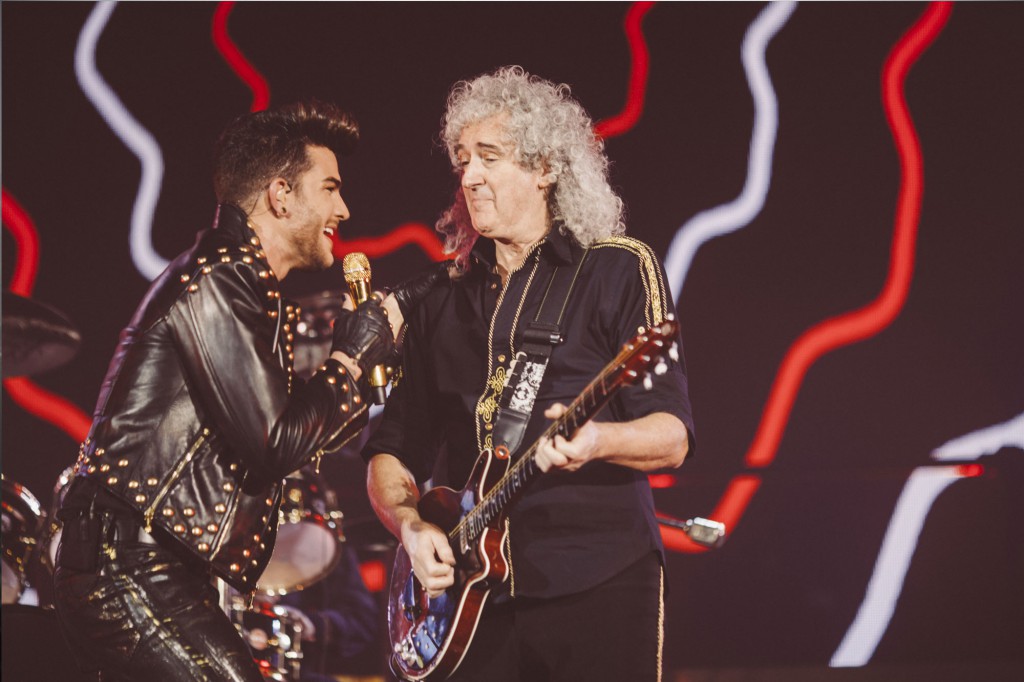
585,596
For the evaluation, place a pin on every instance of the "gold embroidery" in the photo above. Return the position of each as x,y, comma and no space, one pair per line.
650,275
488,405
661,617
490,393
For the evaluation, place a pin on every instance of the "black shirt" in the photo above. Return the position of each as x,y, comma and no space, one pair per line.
570,530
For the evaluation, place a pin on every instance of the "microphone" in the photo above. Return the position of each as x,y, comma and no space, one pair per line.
357,273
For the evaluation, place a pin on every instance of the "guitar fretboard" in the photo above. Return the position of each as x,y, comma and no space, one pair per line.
596,395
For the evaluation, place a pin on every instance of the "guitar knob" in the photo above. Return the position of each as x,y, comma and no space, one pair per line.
673,352
648,383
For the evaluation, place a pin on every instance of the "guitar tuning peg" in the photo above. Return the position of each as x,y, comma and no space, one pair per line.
648,383
661,367
673,352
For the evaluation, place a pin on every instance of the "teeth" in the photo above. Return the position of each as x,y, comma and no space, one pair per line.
329,231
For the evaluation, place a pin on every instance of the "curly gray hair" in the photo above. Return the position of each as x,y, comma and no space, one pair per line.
550,130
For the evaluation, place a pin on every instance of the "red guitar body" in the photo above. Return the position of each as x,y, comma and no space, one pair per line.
431,636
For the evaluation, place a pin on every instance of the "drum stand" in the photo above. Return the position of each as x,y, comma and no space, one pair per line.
273,635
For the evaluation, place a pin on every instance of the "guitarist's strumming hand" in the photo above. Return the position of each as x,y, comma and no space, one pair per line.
567,455
433,561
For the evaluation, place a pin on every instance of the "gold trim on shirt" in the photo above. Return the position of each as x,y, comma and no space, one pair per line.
650,274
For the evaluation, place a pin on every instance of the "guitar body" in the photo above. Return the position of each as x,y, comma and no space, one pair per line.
431,636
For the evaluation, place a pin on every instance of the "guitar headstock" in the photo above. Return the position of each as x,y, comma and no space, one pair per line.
645,353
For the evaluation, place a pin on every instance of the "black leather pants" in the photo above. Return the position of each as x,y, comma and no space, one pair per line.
134,611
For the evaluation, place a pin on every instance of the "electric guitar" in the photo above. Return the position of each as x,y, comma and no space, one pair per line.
430,636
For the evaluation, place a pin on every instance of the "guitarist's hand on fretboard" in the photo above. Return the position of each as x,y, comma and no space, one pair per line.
567,455
433,561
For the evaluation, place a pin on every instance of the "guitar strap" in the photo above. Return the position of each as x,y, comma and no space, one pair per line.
515,404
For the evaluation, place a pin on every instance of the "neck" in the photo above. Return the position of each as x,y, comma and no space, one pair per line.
262,223
510,254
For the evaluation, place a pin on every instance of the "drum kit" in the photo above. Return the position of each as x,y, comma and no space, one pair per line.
310,538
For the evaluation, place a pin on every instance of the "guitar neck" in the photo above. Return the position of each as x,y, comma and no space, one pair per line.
595,396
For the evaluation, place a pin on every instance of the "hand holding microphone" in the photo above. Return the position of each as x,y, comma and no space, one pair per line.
364,335
359,336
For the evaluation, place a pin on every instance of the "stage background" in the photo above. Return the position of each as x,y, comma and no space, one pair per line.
817,474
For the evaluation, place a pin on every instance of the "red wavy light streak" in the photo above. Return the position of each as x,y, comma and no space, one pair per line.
416,234
236,60
49,407
30,397
869,320
639,66
864,323
26,239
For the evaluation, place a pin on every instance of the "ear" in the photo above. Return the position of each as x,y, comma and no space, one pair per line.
277,196
547,177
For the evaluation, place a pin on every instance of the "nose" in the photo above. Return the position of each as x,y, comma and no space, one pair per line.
472,174
341,208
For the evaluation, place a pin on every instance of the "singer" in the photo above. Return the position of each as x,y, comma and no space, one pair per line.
200,416
585,592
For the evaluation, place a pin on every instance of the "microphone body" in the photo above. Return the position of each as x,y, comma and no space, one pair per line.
357,274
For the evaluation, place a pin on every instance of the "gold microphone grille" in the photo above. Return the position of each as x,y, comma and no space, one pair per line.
356,266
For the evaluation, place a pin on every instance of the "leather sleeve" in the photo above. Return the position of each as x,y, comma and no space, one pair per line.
232,332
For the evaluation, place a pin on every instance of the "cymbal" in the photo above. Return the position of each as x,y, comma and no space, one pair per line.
36,337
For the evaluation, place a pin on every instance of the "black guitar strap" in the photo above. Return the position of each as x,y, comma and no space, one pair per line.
515,405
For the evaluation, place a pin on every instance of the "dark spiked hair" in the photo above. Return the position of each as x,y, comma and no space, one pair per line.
257,147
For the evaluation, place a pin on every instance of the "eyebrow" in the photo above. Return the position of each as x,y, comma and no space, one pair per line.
485,146
336,181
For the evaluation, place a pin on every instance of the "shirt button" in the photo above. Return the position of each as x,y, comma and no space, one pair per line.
501,358
494,285
488,427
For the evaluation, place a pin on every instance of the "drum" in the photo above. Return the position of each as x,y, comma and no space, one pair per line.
309,535
273,635
313,332
22,520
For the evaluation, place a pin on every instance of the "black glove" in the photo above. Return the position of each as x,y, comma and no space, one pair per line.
410,292
364,335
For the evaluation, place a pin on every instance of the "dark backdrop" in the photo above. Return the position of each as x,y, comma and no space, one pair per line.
786,586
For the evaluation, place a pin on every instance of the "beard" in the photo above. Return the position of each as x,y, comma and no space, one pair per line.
308,239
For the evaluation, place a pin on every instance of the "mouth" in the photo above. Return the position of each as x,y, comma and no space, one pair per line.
329,231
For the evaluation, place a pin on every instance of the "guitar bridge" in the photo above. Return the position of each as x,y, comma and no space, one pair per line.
406,650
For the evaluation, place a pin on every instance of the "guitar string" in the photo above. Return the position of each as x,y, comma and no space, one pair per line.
474,516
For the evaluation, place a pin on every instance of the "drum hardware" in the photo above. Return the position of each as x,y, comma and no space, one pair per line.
313,331
22,519
273,635
36,336
705,532
309,536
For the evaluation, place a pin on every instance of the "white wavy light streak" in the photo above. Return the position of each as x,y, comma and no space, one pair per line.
912,509
131,133
738,213
872,619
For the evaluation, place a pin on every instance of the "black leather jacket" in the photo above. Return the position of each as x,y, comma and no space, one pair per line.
200,417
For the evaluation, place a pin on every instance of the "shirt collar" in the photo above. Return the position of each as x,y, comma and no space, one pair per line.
556,246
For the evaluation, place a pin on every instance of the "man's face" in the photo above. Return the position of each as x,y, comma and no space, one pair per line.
506,201
316,212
